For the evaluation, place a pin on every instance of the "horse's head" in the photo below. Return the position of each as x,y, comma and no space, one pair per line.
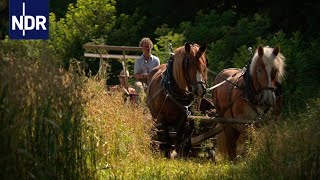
190,68
266,69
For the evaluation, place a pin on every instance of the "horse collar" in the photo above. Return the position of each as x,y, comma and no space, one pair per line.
249,93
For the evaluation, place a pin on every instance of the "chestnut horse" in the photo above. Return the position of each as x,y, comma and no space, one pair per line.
171,91
248,94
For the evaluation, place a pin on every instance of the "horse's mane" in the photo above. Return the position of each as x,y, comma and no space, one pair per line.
270,61
178,70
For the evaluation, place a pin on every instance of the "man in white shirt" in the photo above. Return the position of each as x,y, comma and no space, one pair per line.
144,64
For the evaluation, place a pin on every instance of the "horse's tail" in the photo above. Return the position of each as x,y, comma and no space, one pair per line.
221,143
226,142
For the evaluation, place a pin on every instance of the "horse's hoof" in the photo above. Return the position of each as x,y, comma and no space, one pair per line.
173,154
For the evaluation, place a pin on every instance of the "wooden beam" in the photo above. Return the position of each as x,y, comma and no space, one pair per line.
112,48
207,119
196,141
111,56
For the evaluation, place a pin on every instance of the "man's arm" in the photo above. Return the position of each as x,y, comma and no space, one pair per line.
141,76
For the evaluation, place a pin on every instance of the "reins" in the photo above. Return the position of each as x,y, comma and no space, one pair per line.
224,80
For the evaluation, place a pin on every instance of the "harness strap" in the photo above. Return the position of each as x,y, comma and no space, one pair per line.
184,108
230,105
162,106
226,79
219,84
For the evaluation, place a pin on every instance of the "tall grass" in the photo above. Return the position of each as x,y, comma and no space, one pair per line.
42,125
122,133
290,150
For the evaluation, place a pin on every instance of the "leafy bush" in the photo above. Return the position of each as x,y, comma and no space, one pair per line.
162,47
85,21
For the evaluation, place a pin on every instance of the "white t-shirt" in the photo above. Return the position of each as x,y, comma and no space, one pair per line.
142,66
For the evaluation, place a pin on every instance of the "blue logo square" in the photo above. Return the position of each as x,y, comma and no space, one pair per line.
29,19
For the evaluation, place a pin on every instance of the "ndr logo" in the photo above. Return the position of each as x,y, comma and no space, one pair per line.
29,19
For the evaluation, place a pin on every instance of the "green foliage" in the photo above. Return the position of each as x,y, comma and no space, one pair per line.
128,30
208,27
60,7
87,20
243,34
162,49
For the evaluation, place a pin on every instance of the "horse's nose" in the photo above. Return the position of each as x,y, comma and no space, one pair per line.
201,89
268,98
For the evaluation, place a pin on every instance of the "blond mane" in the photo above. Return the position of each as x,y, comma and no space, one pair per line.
270,61
178,70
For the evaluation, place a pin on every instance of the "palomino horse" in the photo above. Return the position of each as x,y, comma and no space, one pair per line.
248,94
172,89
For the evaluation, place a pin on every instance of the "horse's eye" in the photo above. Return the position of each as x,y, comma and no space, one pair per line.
273,73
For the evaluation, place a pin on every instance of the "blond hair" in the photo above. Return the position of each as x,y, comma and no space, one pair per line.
145,40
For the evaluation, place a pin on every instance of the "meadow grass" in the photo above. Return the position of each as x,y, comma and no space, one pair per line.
41,119
123,132
290,150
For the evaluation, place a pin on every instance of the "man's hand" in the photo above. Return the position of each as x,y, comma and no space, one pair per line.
145,76
141,76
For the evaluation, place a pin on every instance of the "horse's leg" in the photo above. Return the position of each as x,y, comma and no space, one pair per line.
162,136
185,133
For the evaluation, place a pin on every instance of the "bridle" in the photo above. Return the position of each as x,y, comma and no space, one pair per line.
261,88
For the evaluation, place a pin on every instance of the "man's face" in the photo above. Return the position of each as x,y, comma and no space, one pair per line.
146,48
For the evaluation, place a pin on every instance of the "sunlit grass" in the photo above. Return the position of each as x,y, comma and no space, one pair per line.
41,127
123,134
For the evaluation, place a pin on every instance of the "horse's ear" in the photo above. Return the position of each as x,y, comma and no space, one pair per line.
260,51
187,47
203,47
276,51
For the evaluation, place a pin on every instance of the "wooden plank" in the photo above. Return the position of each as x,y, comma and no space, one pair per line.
112,48
207,119
111,56
195,141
